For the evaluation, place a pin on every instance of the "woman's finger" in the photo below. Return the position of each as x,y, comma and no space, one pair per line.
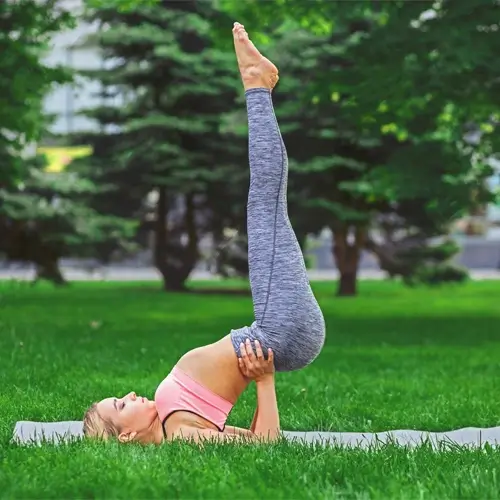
270,356
242,366
258,350
249,349
243,351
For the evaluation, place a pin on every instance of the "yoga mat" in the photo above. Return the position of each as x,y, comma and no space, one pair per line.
37,433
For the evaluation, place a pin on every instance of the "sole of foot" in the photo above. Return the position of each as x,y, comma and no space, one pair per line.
256,70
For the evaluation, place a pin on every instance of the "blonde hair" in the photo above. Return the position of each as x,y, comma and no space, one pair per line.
95,426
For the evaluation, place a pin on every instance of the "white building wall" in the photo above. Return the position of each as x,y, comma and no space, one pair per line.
65,101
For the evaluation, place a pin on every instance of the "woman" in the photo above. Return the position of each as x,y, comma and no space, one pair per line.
194,400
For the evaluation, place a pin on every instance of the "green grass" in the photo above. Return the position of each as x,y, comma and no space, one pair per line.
394,358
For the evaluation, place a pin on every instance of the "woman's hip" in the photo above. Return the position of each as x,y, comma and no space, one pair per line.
296,341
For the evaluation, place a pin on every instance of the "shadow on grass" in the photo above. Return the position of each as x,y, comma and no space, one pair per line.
219,291
471,318
224,291
445,330
384,331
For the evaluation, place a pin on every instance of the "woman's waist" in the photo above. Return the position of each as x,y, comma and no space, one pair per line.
215,367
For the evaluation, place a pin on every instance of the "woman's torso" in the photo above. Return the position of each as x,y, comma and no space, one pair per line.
215,366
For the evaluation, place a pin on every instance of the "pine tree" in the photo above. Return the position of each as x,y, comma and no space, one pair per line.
40,220
350,176
328,155
390,80
170,141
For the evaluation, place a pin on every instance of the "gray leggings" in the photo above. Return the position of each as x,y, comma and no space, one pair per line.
288,318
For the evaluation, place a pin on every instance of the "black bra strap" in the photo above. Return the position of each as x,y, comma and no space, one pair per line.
163,428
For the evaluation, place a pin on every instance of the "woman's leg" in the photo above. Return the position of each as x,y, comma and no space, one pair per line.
288,318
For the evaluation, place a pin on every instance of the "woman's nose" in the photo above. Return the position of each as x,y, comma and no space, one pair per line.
132,396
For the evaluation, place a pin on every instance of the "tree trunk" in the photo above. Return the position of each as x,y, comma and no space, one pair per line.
173,260
347,286
347,256
160,247
49,270
215,265
192,244
174,279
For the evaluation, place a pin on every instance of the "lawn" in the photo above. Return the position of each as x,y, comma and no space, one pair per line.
394,358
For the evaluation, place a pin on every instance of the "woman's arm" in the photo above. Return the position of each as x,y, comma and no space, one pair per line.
201,435
267,420
231,430
265,426
254,420
265,423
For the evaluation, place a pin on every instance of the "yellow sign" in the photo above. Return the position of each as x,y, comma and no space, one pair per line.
59,158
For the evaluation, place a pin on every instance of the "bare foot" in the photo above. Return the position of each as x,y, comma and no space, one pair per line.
256,71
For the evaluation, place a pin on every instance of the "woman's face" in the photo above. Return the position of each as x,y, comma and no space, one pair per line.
131,414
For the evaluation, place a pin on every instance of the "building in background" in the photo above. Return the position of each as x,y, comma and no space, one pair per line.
65,101
493,212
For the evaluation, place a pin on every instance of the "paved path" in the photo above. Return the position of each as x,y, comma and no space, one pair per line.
150,274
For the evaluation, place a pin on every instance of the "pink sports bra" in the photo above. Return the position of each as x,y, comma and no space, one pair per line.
179,392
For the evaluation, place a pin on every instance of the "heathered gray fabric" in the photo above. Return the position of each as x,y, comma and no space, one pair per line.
288,318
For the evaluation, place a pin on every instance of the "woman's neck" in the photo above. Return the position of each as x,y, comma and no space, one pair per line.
154,433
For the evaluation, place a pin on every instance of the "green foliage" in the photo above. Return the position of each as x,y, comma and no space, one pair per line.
409,57
437,274
440,252
385,98
42,220
119,5
174,134
27,27
429,264
41,217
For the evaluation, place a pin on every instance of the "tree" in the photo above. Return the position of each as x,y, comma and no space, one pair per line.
409,57
26,28
41,222
328,154
119,5
177,90
376,152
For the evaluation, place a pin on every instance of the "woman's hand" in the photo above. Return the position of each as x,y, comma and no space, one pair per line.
255,367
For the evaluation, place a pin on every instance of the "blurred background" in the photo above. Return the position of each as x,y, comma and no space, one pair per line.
123,142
